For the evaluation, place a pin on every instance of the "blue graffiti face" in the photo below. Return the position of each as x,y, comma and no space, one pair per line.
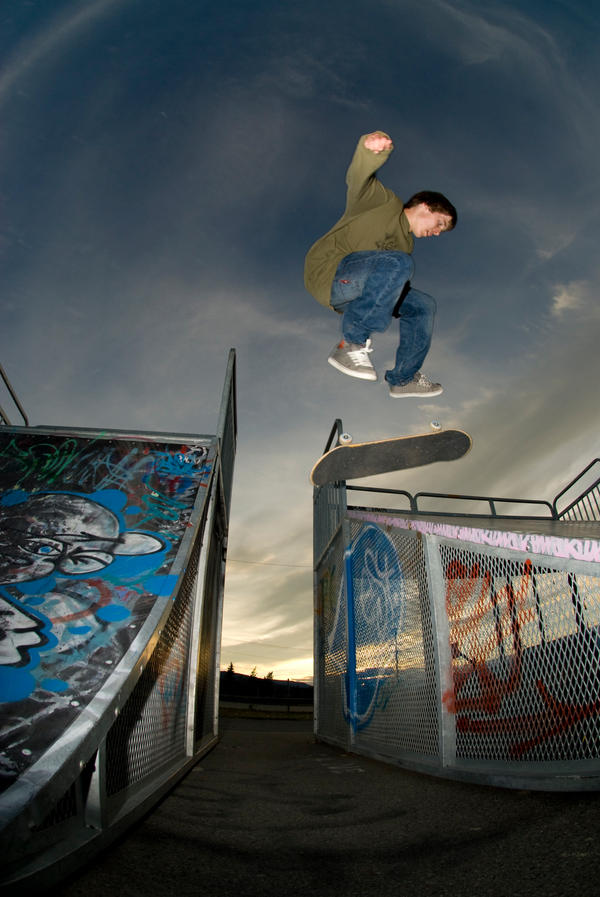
68,533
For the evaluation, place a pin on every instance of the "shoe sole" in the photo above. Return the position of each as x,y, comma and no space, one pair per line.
367,375
416,395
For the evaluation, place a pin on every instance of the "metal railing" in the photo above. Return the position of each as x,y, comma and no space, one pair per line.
4,420
415,503
586,506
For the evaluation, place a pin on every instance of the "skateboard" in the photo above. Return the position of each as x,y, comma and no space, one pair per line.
350,460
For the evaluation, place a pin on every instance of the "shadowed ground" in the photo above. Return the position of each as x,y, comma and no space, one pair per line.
269,811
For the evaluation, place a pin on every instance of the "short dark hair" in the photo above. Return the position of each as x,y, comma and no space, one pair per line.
436,202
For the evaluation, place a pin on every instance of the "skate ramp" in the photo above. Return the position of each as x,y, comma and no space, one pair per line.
459,643
111,575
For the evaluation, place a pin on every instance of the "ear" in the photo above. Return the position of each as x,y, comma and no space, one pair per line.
137,543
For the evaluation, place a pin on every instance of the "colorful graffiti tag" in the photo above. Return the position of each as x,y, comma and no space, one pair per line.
376,614
520,686
89,531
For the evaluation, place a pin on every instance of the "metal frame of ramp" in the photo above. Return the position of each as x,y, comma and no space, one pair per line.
112,562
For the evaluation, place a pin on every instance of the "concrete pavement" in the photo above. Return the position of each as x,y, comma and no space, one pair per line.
269,811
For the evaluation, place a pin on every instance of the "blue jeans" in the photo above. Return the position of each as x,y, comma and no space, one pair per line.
366,288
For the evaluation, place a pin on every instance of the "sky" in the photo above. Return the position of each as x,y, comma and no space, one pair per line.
164,167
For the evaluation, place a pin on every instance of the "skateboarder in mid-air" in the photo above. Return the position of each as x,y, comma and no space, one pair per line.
362,268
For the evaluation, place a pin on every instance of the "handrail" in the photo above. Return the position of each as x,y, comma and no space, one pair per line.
570,485
336,430
491,500
3,416
406,494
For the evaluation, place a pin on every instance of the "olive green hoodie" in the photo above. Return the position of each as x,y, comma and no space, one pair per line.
373,219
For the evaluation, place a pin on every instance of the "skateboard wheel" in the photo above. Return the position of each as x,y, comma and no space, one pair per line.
345,438
435,425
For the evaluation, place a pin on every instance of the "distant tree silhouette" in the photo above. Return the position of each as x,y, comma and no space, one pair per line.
230,667
253,673
269,675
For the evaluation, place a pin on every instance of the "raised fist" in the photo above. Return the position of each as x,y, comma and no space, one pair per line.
378,142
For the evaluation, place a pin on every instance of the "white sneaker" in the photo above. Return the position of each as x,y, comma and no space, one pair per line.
352,359
420,386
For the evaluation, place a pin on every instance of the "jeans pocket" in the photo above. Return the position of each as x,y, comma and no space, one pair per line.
343,291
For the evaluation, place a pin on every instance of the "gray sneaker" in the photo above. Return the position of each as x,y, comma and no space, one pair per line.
352,359
420,385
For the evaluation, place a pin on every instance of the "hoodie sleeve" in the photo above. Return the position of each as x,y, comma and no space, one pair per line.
365,191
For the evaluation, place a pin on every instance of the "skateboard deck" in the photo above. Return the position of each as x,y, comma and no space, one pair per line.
365,459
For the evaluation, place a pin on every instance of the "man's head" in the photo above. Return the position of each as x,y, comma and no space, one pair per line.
63,532
429,214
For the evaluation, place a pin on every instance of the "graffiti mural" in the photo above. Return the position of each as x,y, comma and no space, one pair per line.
525,659
376,613
89,531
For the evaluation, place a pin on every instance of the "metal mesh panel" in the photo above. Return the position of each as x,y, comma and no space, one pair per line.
329,508
150,731
395,664
525,658
330,658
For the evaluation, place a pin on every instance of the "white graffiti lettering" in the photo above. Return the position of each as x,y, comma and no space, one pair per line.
555,546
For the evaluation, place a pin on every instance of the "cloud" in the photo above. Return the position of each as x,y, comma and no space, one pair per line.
267,612
497,32
53,37
569,297
158,214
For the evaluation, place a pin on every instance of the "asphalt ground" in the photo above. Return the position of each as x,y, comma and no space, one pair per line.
271,811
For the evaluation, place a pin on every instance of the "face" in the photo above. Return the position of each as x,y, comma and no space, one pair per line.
425,223
68,533
18,631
